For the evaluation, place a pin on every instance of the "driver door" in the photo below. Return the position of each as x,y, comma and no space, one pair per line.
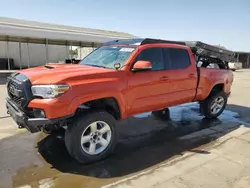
148,89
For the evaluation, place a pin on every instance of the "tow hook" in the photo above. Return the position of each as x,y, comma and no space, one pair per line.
8,112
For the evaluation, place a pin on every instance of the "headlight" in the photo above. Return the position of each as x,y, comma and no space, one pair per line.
49,91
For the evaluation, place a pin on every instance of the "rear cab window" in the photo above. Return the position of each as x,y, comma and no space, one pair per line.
176,58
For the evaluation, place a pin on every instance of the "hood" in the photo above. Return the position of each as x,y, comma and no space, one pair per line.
55,73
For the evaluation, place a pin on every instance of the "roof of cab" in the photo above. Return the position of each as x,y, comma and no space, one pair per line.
141,41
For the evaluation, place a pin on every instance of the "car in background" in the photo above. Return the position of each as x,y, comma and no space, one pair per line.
235,65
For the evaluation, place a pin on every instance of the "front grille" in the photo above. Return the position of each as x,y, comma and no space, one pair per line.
12,85
19,89
17,100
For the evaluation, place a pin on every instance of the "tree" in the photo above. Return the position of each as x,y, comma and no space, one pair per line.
73,52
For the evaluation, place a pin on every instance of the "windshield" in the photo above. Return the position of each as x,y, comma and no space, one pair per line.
107,56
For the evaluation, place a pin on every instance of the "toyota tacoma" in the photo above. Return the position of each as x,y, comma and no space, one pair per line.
120,79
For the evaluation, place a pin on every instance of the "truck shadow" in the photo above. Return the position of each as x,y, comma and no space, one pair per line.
137,149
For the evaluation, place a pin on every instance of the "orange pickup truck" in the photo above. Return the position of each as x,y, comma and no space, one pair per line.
120,79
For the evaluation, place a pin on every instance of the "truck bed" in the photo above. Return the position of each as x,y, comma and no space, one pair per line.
207,78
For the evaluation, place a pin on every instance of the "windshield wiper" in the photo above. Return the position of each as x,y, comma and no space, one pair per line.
97,66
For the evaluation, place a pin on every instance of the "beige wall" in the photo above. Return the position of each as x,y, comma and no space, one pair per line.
37,53
82,52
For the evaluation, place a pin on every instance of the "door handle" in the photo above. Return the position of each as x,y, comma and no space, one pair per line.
164,78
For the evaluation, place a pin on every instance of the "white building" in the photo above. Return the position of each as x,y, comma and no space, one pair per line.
37,53
31,43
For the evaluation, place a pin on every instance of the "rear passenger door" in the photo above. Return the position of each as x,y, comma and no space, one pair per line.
182,75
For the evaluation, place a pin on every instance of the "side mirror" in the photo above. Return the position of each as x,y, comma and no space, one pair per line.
142,66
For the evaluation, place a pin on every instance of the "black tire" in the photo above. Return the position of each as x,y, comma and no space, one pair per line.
205,106
74,132
67,138
162,114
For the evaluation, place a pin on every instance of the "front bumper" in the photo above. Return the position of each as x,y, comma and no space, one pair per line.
31,124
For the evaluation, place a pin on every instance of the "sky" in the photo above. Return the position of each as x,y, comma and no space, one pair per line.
218,22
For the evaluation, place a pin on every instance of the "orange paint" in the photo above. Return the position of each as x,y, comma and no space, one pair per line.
135,92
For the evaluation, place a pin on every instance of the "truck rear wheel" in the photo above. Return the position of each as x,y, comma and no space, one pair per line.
162,114
214,105
91,137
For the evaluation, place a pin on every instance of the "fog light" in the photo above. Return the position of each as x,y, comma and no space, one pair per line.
39,113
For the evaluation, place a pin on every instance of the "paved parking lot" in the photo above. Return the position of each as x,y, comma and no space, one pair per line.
146,150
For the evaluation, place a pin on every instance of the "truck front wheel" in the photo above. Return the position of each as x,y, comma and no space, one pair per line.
91,137
214,105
